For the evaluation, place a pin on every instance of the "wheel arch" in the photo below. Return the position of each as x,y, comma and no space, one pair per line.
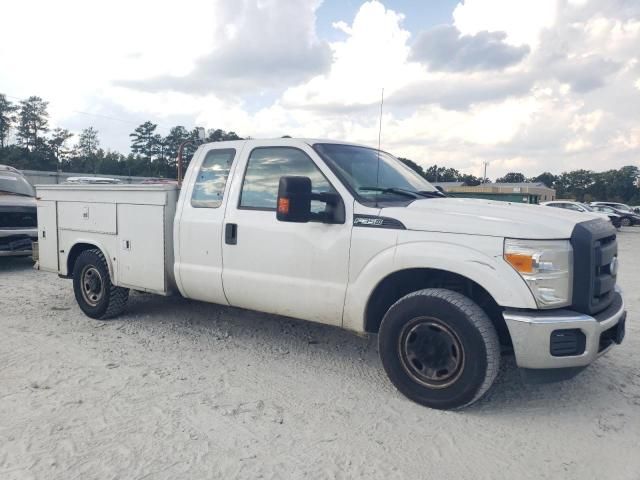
82,246
397,284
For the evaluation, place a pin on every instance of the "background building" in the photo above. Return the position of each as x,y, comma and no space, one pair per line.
506,192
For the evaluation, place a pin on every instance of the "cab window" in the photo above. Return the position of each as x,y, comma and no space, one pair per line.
208,190
265,167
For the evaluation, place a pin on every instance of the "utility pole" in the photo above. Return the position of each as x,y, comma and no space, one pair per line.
484,177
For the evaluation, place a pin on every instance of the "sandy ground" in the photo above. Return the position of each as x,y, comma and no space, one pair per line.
180,389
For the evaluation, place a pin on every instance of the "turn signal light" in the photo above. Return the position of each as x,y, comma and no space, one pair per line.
283,206
521,262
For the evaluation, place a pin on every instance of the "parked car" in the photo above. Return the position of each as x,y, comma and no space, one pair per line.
159,181
614,218
627,217
92,180
18,216
618,206
349,236
635,208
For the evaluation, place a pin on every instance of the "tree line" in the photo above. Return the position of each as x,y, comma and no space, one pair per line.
619,185
37,147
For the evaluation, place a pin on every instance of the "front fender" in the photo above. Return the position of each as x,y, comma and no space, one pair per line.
481,262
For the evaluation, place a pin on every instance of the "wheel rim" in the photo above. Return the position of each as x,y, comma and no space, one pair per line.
92,285
431,352
626,222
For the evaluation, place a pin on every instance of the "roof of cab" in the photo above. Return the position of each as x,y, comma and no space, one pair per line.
286,141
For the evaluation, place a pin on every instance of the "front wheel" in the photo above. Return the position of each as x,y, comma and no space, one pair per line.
439,348
97,297
626,222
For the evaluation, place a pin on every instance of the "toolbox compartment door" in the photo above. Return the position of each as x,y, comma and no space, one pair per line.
141,247
47,236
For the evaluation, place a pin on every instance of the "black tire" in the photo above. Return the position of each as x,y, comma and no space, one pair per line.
96,295
626,222
440,321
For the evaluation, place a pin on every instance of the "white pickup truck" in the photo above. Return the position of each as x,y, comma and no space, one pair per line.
347,235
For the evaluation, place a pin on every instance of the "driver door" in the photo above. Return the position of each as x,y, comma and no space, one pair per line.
294,269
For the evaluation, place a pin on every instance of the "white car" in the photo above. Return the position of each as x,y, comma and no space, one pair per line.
618,206
349,236
615,219
92,180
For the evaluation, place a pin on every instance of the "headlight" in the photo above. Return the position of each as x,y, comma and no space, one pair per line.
546,266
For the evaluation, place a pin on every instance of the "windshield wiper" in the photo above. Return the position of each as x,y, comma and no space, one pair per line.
432,194
397,191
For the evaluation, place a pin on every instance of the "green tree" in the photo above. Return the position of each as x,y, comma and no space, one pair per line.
87,149
172,141
88,142
575,184
218,135
442,174
412,165
7,119
549,179
33,122
470,180
57,144
144,140
512,177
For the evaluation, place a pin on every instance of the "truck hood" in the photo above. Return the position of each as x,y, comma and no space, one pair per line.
487,217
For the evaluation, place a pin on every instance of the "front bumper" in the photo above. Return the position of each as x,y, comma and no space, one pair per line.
531,334
17,242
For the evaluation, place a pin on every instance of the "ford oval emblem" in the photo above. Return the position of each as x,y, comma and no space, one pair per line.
613,266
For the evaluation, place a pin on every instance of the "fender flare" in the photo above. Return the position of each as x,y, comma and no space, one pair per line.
95,244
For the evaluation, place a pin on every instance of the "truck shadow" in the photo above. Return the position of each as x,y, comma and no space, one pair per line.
15,264
305,342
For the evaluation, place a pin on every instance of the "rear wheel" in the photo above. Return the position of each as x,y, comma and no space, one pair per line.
95,294
626,222
439,348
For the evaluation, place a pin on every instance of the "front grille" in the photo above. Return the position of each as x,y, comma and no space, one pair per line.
594,249
15,243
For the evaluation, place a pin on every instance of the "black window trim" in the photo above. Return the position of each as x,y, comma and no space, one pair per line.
246,167
226,182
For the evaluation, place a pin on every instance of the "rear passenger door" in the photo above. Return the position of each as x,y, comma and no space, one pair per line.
198,263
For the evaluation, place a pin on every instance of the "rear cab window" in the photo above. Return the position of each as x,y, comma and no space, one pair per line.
208,190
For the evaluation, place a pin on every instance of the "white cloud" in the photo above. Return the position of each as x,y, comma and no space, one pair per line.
444,48
521,20
572,102
374,56
259,45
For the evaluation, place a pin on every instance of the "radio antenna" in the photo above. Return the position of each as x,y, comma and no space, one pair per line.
379,138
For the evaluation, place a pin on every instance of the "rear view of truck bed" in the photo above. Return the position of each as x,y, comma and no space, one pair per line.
131,224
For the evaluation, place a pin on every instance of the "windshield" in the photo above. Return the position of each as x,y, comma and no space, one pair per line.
623,207
16,184
603,208
373,180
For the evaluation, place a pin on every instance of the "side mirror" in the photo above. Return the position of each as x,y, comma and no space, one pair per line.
294,199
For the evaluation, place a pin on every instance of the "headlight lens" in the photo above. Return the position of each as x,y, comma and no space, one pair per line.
546,266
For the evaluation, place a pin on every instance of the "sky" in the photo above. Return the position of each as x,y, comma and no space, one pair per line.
525,85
